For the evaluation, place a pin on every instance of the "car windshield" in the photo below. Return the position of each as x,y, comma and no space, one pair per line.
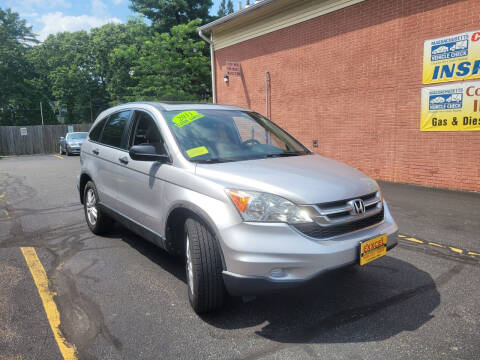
230,135
77,136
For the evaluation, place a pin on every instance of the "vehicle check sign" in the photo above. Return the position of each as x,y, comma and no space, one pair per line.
452,58
451,107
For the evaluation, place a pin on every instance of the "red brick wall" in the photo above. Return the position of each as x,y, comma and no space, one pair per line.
352,80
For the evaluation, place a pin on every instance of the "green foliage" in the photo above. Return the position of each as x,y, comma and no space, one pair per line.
121,58
68,69
226,7
165,14
229,7
77,75
18,93
171,66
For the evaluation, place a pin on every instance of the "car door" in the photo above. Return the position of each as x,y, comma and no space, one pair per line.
112,146
140,186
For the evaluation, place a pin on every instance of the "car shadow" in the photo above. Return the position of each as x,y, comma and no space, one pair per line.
354,304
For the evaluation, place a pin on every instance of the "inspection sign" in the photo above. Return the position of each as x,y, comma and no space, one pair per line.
453,107
452,58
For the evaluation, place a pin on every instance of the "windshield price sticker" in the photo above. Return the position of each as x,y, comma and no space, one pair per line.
454,107
201,150
186,117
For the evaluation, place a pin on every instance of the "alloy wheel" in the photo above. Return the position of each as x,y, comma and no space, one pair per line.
91,205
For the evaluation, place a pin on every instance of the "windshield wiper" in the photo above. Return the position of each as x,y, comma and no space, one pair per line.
213,161
286,153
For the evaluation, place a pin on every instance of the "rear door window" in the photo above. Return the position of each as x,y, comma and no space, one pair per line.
97,130
114,133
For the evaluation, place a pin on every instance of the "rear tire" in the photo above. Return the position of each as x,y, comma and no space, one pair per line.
98,222
203,267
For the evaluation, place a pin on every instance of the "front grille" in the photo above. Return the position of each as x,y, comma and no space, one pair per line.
334,204
321,232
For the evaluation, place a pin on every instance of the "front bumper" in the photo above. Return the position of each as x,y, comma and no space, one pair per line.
262,257
73,149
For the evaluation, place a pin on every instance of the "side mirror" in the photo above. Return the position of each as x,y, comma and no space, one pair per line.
147,153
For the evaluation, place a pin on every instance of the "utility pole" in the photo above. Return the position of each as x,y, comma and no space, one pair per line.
41,111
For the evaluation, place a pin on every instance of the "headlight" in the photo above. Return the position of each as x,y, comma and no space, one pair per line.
263,207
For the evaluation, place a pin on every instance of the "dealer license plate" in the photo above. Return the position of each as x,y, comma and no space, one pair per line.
373,249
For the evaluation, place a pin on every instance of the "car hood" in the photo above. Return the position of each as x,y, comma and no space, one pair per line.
307,179
79,141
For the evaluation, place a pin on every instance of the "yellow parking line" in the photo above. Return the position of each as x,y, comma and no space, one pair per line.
401,236
58,156
451,248
414,240
6,213
2,195
41,281
460,251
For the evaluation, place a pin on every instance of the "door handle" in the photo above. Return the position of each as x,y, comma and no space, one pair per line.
123,160
96,152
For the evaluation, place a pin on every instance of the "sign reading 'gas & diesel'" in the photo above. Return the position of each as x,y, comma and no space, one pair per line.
453,107
452,58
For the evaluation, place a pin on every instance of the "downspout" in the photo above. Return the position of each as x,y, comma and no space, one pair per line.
267,94
212,61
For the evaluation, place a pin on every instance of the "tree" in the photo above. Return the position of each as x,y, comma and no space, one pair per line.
172,66
225,8
222,10
80,73
165,14
115,49
66,67
229,7
19,97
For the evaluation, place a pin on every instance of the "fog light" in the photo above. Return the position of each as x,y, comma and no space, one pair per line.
277,273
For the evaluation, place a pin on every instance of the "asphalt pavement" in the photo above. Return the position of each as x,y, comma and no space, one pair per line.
120,297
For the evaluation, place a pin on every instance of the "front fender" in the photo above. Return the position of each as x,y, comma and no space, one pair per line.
216,214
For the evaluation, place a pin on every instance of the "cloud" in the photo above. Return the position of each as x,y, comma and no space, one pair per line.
39,4
30,15
58,22
99,8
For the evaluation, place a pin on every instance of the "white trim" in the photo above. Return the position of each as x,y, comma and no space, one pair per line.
250,26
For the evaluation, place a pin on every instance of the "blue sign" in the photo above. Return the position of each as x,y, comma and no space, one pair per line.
445,99
449,50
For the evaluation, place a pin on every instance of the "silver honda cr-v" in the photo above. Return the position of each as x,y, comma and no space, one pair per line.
249,207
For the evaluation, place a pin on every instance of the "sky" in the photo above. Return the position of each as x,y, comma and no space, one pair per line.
52,16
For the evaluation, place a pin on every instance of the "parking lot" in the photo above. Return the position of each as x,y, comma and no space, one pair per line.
119,297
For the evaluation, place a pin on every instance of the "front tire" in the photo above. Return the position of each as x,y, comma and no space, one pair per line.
98,222
203,267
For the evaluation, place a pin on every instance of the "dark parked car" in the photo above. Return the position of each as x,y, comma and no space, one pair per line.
71,143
